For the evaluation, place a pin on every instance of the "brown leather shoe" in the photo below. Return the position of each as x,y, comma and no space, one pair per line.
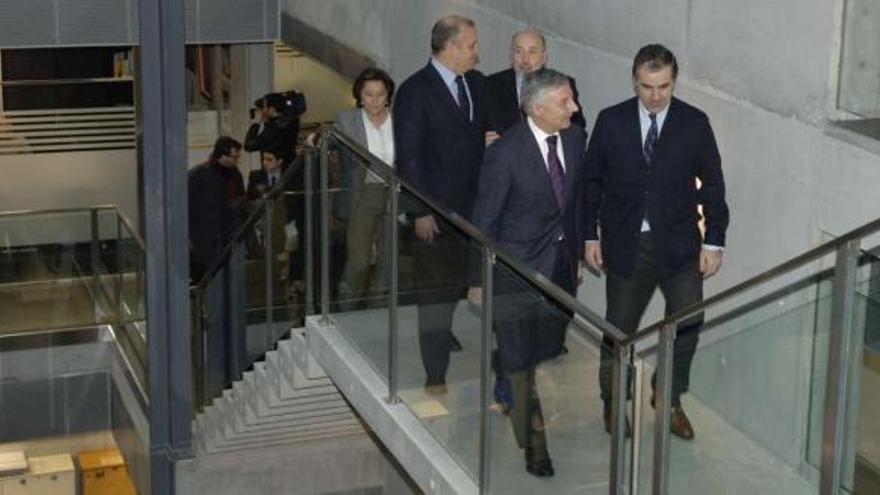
680,425
627,430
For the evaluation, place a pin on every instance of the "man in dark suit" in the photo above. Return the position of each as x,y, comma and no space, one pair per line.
440,123
643,163
528,203
215,197
216,193
260,183
528,53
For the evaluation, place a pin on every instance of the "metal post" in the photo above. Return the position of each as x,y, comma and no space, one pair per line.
200,355
325,230
120,279
268,259
663,408
636,450
486,368
617,480
837,384
308,235
95,260
392,254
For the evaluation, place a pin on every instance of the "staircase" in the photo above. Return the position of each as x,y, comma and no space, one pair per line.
285,398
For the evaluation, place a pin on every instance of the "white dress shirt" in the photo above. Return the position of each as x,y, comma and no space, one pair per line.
380,142
541,138
273,176
645,123
449,80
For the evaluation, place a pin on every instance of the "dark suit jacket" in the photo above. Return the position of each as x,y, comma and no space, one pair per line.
438,150
621,188
517,208
215,195
505,107
258,183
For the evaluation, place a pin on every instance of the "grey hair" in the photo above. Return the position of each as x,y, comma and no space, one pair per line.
446,29
535,31
538,84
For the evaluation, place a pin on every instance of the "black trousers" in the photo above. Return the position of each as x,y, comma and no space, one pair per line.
629,296
526,416
441,276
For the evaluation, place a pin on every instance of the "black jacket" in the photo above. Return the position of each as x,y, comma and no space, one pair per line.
621,188
439,151
505,107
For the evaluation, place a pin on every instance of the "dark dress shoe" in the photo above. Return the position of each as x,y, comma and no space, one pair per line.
542,468
627,431
454,344
435,386
680,425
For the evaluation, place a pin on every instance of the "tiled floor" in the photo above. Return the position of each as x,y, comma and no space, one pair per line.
721,460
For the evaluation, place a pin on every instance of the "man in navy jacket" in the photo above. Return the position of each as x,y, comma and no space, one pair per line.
643,163
440,130
528,204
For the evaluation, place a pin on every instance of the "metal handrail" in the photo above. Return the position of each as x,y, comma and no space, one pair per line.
245,229
773,273
51,211
81,209
61,82
387,173
550,289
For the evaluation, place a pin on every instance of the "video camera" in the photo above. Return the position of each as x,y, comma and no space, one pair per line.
290,104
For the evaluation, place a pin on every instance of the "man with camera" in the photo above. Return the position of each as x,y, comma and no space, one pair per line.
274,132
276,124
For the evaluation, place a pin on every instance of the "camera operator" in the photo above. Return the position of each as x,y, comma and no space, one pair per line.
275,127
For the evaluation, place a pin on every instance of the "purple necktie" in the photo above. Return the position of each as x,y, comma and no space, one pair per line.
557,174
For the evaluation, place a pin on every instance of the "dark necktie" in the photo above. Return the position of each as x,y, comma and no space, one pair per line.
650,139
271,181
463,103
557,174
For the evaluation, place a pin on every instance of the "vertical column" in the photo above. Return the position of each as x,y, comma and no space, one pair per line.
325,228
663,408
162,163
95,260
619,387
840,341
392,248
269,260
488,265
309,234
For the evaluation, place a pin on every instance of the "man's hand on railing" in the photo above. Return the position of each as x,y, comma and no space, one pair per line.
426,228
710,261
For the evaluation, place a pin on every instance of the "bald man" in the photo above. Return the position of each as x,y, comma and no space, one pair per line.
528,53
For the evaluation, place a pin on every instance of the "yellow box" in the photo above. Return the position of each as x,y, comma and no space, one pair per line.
103,472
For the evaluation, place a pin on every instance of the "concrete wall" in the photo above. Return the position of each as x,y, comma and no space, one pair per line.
766,74
67,180
327,93
763,71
